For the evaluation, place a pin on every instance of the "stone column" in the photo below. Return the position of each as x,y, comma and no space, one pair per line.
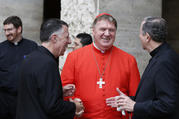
31,13
79,14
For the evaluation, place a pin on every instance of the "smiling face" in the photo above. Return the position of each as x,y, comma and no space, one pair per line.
104,33
11,32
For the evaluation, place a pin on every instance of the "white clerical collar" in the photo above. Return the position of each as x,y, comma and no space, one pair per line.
16,43
102,51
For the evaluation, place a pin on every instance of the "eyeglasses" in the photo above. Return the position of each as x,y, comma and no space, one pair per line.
9,29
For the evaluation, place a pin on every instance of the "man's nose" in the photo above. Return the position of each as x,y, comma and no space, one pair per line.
6,32
106,32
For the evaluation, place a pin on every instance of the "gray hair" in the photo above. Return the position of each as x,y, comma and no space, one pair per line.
106,17
156,27
50,27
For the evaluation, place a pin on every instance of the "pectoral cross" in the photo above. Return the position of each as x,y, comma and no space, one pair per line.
100,82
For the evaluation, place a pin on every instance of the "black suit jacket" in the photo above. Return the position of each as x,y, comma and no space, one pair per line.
156,97
40,94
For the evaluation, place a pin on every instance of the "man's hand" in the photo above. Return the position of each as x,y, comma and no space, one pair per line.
79,106
68,90
122,102
125,102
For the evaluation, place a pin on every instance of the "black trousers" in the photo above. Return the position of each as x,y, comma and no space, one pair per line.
7,105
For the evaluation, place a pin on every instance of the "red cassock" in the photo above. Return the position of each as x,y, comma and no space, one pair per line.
120,71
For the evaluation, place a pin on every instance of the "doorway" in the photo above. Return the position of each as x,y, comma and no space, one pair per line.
170,12
52,9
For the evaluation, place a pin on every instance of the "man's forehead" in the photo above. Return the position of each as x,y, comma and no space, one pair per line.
141,25
76,40
9,25
104,20
104,23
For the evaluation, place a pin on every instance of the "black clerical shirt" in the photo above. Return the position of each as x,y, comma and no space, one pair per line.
11,56
40,94
157,95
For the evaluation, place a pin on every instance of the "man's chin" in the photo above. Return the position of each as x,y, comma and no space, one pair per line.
107,42
62,53
10,39
107,46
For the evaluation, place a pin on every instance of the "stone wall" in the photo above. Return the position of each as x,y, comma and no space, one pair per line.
31,13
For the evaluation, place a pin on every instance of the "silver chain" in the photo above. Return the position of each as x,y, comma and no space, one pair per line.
101,74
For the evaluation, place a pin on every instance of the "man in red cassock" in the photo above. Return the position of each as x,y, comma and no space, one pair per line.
98,69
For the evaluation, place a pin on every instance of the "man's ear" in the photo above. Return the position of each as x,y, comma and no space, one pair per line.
148,38
53,39
92,29
19,29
